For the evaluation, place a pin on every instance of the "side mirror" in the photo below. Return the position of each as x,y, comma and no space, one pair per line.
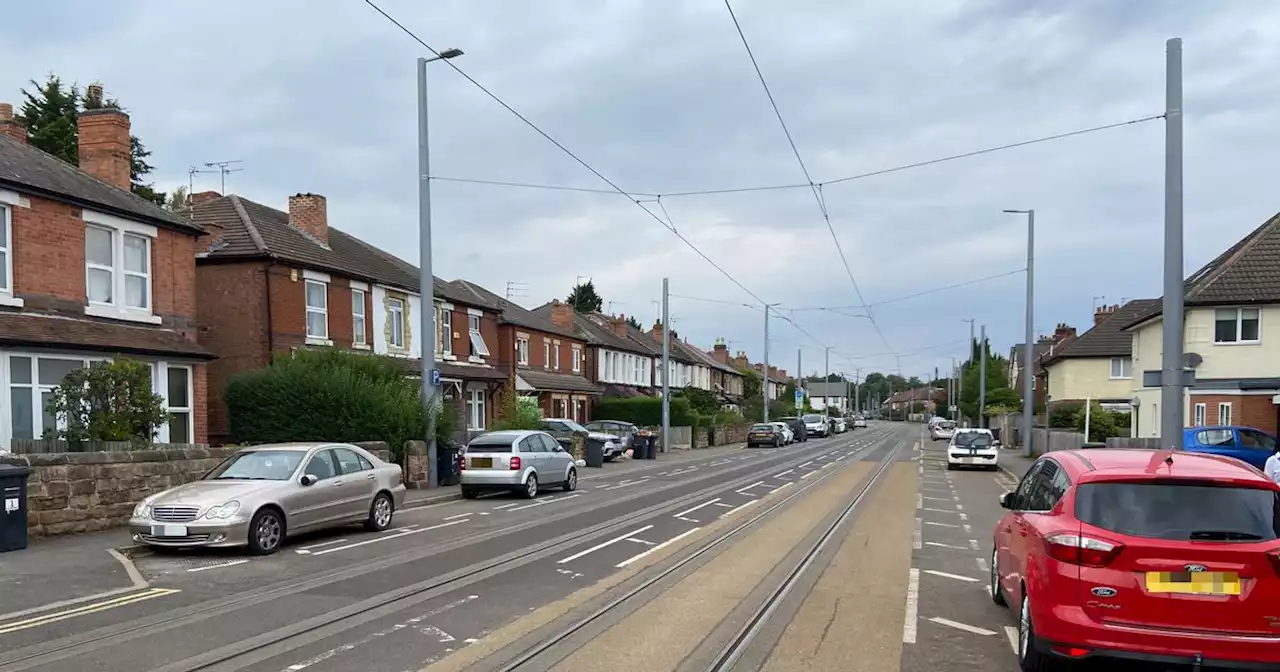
1009,501
308,479
559,449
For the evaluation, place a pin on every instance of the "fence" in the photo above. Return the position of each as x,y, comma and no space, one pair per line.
1051,440
682,437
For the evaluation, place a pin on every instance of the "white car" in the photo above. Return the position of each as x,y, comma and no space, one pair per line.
973,447
942,431
859,422
788,436
817,425
842,425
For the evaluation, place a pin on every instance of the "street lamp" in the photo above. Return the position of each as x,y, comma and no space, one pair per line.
1028,394
426,279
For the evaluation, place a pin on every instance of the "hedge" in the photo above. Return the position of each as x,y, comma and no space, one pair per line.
643,411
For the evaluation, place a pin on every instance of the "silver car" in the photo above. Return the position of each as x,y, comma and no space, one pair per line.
259,496
521,461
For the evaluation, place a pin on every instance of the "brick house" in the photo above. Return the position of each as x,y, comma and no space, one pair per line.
88,272
1097,365
1046,347
545,360
271,281
690,367
726,379
621,365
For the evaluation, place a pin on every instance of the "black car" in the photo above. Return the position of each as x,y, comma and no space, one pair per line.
797,427
765,434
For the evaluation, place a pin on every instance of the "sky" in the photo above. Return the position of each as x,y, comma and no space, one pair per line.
660,97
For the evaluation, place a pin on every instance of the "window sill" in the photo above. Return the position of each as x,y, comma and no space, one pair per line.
10,300
125,314
475,360
312,340
1234,343
361,346
1114,378
448,357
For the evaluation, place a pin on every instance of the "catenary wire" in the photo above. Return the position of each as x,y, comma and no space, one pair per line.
927,292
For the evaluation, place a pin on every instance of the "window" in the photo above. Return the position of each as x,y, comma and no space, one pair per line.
350,462
577,360
99,257
555,356
1201,410
117,263
1121,367
1224,413
31,383
475,410
317,309
546,354
6,243
445,346
522,351
1193,511
478,347
180,407
357,317
1255,440
322,466
1235,325
395,323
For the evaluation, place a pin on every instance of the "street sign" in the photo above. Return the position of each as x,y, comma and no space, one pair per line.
435,377
799,398
954,408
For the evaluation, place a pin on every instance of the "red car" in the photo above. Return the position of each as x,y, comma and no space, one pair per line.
1141,555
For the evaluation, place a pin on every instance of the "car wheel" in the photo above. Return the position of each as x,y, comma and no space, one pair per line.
997,595
571,481
469,493
266,532
1030,659
531,487
380,513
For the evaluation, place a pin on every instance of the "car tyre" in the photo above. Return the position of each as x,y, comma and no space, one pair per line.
469,493
571,481
381,511
266,532
531,487
1030,659
997,595
951,467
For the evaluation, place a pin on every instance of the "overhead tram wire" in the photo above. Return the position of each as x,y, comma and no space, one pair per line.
927,292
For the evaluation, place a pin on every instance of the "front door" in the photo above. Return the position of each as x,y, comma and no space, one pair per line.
320,502
359,485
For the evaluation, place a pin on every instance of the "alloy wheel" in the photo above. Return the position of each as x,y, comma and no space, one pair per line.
268,532
531,486
1024,628
382,511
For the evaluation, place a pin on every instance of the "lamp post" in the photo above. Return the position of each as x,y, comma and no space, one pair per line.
1028,375
427,315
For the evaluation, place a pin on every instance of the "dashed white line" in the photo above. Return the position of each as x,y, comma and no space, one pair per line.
955,513
913,607
808,474
962,626
331,542
949,575
917,536
736,509
942,545
789,471
460,515
784,485
688,511
973,543
657,548
544,502
930,522
389,536
1011,634
982,565
218,566
936,499
506,506
742,491
603,544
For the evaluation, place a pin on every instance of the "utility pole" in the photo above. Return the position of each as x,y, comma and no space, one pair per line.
666,371
1029,337
826,382
765,391
955,390
799,403
982,379
1172,364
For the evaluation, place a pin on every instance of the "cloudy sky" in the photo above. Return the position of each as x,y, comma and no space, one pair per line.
660,97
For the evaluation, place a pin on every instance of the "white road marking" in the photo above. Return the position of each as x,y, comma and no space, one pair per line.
742,491
789,471
569,573
736,509
389,536
982,565
506,506
967,528
930,522
962,626
544,502
331,542
400,528
603,544
948,575
727,506
1011,633
784,485
440,635
806,464
623,485
973,543
688,511
913,607
687,520
657,548
640,541
959,507
917,536
936,499
218,566
663,473
957,513
942,545
460,515
808,474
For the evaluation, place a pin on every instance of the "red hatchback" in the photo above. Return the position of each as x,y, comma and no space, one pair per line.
1141,555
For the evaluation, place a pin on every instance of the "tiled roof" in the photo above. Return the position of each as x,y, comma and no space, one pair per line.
253,230
511,312
31,330
26,168
595,330
544,381
1108,338
710,361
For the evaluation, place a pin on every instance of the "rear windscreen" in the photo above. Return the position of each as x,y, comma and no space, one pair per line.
973,440
1181,511
762,428
485,445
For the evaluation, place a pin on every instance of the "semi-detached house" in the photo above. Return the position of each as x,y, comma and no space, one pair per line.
621,365
89,272
272,281
1098,365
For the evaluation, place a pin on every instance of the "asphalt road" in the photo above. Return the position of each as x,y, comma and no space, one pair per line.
441,579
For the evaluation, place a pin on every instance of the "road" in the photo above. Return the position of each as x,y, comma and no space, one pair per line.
854,552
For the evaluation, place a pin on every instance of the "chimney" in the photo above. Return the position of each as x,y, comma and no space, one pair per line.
10,126
619,326
740,360
104,148
203,197
657,331
720,352
1103,312
562,315
1063,332
309,213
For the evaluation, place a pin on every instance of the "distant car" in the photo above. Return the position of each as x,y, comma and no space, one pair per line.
1246,444
765,434
563,429
942,431
973,447
1108,555
627,432
789,437
797,427
816,425
259,496
859,422
842,425
523,461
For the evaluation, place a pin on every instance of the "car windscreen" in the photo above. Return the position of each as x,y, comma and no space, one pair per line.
574,426
258,465
762,428
813,418
1181,510
946,425
973,440
490,444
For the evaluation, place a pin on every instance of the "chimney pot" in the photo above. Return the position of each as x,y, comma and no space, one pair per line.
104,148
10,126
309,213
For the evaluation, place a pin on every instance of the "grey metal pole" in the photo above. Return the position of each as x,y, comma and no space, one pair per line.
427,314
826,380
765,386
982,379
666,371
1028,376
1171,383
799,369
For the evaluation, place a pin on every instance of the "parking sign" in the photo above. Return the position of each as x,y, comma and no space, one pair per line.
799,398
435,377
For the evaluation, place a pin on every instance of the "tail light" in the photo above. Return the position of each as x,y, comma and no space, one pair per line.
462,462
1274,557
515,463
1078,550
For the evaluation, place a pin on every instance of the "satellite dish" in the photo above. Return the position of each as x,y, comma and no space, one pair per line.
1192,359
1135,402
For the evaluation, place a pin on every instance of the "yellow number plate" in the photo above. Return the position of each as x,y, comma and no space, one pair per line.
482,462
1194,583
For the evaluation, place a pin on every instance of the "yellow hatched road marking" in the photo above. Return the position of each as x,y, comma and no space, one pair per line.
37,621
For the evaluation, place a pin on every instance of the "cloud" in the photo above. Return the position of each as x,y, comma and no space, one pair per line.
660,97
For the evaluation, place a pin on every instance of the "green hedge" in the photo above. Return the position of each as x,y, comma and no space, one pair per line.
329,395
643,411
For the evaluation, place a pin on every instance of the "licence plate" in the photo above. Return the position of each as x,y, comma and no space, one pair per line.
482,462
168,530
1194,583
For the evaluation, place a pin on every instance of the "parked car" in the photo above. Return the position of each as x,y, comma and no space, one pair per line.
523,461
816,425
942,431
797,427
859,422
1243,443
973,447
765,434
841,425
260,496
563,429
789,437
1141,555
627,432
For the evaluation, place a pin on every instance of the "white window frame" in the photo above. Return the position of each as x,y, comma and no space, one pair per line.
475,410
1224,406
359,318
160,374
1239,327
36,389
445,315
1121,363
555,355
479,348
577,359
319,339
120,228
6,249
522,350
1200,414
395,319
546,354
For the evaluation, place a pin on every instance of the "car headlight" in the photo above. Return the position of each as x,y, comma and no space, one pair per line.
609,444
223,512
142,510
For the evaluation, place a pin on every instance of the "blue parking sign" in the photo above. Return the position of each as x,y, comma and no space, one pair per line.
435,377
799,397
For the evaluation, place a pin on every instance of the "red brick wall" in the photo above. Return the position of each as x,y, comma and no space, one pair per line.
1255,411
341,319
200,402
287,295
233,324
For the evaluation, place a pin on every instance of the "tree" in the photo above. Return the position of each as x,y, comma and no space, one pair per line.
752,384
702,402
177,199
108,401
584,299
631,320
517,412
914,382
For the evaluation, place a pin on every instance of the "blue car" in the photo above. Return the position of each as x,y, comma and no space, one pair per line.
1243,443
